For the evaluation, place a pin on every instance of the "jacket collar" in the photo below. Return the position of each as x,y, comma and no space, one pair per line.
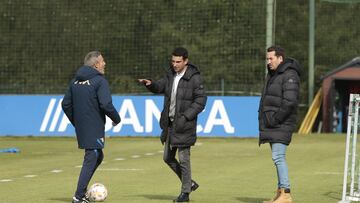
288,63
190,71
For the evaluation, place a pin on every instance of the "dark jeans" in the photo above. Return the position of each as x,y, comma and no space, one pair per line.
92,159
182,167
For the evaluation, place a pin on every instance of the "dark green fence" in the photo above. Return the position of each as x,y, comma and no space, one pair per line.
43,42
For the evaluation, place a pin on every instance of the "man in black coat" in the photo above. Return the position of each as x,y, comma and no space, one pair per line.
86,103
184,99
278,112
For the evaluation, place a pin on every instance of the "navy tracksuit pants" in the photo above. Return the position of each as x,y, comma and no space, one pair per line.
92,159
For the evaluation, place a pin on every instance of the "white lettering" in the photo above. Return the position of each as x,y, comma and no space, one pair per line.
64,123
86,82
150,115
108,123
218,107
199,128
47,115
56,117
150,110
128,106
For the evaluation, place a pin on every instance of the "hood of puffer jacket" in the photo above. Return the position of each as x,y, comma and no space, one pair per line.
190,71
288,63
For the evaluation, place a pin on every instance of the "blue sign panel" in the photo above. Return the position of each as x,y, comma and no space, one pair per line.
42,115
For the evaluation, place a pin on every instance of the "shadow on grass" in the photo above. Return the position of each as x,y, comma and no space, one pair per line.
333,195
251,199
61,199
158,197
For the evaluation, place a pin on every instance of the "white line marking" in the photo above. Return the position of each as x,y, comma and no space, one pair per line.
328,173
30,176
149,154
247,155
135,156
56,171
119,159
78,166
6,180
120,169
198,144
161,151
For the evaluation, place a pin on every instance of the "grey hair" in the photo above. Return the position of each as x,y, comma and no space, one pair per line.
91,58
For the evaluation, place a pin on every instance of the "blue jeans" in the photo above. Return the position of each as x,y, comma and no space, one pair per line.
278,152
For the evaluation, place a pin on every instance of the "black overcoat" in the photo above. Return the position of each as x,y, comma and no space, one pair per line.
190,101
279,102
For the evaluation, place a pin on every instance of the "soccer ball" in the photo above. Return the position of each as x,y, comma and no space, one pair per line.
97,192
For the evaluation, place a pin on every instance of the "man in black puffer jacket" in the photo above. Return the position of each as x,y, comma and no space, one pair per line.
86,103
184,99
278,113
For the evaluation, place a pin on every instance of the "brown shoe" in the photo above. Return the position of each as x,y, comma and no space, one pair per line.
278,192
284,197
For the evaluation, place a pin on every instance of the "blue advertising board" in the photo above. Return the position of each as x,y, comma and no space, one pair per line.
41,115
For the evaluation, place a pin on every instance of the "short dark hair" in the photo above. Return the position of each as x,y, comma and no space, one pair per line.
180,51
279,51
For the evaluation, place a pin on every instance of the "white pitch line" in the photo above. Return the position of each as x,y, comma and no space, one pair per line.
6,180
135,156
149,154
119,159
78,166
56,171
328,173
248,155
161,151
120,169
198,144
30,176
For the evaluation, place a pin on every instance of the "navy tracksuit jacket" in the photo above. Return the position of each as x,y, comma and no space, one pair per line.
86,103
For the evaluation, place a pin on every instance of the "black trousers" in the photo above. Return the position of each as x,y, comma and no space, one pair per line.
182,168
92,159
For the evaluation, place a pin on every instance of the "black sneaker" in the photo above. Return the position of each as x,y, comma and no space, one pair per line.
82,200
183,197
194,185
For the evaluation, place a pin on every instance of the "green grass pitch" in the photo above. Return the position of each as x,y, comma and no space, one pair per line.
227,169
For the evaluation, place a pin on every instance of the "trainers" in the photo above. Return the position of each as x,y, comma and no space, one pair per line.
82,200
183,197
194,185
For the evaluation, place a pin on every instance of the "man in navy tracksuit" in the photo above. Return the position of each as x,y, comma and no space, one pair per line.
86,103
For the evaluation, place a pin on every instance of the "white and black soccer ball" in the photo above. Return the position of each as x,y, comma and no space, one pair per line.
97,192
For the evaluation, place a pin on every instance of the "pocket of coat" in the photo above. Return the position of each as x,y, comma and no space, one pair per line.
189,125
180,124
268,115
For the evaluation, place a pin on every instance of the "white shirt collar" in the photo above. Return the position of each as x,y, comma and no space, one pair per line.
182,73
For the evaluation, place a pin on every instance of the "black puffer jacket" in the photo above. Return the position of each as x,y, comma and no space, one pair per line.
279,102
190,101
